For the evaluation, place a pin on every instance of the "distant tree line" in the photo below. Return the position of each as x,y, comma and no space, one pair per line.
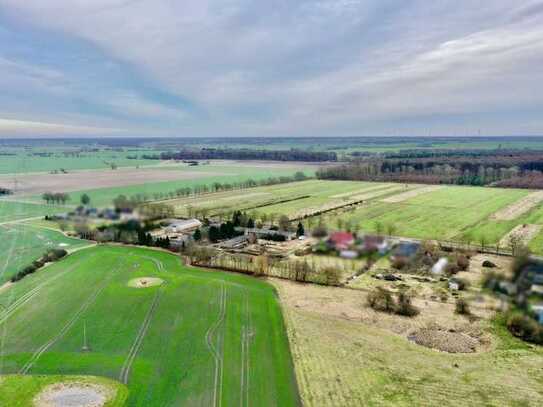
244,154
500,168
5,191
134,200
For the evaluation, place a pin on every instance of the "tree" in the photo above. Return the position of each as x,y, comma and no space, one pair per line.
320,232
85,199
197,235
300,230
378,228
391,229
250,223
284,223
462,307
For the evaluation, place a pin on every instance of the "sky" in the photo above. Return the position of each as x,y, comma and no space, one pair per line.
235,68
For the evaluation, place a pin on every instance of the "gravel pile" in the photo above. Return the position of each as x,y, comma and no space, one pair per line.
72,395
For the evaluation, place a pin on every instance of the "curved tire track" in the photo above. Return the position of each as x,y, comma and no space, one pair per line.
127,366
217,349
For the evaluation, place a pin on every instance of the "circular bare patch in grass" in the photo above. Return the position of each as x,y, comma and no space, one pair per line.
445,340
145,282
73,394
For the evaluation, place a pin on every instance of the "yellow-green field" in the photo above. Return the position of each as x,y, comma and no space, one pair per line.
458,213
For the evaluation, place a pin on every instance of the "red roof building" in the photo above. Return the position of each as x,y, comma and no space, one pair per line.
341,240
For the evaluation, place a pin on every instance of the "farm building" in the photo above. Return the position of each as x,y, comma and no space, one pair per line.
405,250
184,226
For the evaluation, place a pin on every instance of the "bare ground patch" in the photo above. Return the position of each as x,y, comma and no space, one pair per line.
446,340
404,196
74,394
519,207
145,282
521,233
30,184
360,191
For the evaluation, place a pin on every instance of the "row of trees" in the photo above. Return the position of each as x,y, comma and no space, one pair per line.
49,256
55,197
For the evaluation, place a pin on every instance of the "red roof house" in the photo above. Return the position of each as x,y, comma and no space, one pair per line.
341,240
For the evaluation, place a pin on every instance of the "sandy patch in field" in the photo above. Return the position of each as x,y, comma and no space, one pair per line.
411,194
76,180
73,395
524,233
243,196
375,194
5,286
360,191
519,207
145,282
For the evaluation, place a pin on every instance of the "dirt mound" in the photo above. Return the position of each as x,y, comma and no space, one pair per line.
73,395
144,282
444,340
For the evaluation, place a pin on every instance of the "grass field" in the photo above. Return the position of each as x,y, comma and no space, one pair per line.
21,244
11,210
205,175
201,338
341,361
446,213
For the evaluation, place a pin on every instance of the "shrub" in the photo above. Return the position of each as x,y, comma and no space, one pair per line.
404,306
451,269
462,262
380,299
399,263
332,275
525,328
462,307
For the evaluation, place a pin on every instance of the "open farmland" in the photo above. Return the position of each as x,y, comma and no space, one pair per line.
345,354
200,338
11,211
458,213
20,244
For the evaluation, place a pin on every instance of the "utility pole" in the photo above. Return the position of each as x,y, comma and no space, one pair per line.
85,347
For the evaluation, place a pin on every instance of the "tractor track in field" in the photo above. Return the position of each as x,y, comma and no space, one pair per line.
46,346
159,265
127,366
246,335
26,297
217,349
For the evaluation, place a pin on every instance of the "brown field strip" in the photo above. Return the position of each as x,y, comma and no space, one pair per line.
404,196
519,207
522,234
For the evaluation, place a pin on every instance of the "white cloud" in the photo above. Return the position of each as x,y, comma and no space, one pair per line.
314,67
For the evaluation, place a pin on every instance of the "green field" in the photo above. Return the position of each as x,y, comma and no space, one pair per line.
11,210
202,338
21,244
458,213
23,160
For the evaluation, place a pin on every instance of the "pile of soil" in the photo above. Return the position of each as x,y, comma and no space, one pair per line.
73,395
444,340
